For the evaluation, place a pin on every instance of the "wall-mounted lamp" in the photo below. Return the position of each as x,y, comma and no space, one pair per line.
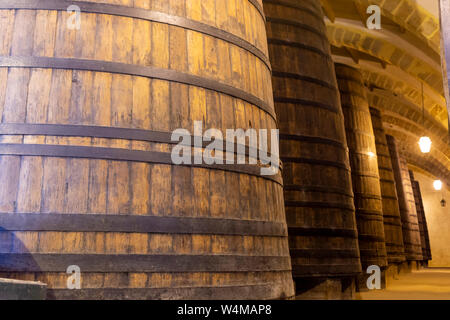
437,184
425,144
443,203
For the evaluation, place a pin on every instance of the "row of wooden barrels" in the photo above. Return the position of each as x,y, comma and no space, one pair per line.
87,180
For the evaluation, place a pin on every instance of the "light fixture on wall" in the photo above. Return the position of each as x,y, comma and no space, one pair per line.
437,184
424,142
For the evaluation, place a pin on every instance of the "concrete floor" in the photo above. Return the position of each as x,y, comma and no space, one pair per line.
424,284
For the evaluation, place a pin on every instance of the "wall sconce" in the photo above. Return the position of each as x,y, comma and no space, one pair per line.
443,203
437,184
425,144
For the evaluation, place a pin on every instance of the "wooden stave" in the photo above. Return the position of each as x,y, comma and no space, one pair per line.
299,92
278,279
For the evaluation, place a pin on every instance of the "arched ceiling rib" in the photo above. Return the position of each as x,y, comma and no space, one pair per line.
426,161
393,79
404,17
411,112
377,45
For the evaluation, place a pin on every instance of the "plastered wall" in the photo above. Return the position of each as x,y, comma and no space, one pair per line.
438,219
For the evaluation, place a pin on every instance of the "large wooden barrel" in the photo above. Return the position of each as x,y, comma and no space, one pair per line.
364,166
410,228
423,226
413,218
317,183
85,153
391,211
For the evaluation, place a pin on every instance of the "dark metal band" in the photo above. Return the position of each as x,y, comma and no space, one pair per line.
259,8
325,163
321,189
387,223
134,70
312,139
367,196
299,45
297,25
323,232
48,262
110,133
121,155
331,270
392,216
391,197
144,14
370,238
324,253
137,224
325,205
250,292
308,103
290,75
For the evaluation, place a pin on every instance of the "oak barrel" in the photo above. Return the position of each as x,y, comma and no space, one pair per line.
423,226
391,210
85,150
317,184
364,166
410,227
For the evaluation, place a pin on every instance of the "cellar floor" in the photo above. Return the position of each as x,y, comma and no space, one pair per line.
424,284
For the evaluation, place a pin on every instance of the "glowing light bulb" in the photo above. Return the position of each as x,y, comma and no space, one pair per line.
371,154
437,184
425,144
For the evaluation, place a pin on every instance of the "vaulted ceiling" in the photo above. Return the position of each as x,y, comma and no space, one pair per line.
395,62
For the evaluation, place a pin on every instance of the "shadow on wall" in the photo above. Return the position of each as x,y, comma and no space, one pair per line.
438,219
